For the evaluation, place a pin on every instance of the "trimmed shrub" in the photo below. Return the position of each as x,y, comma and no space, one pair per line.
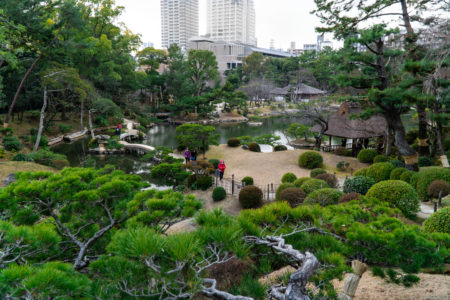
60,164
43,142
426,177
298,183
330,179
294,196
204,182
247,180
251,197
341,151
324,197
438,187
313,184
349,197
438,221
10,143
317,171
358,184
22,157
310,160
254,147
361,172
414,179
233,142
406,176
380,158
278,148
380,171
367,155
191,180
215,162
6,131
425,162
397,163
288,178
396,173
282,187
398,194
219,194
342,165
46,157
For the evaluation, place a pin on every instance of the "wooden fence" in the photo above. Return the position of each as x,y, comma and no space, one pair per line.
233,187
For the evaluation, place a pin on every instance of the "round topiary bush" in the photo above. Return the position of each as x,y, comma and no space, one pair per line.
278,148
438,221
438,187
288,178
282,187
219,194
310,160
233,142
313,184
406,176
298,183
330,179
397,173
251,197
361,172
247,180
324,197
349,197
425,161
397,163
358,184
380,171
294,196
380,158
254,147
10,143
60,164
367,155
22,157
426,177
317,171
398,194
215,162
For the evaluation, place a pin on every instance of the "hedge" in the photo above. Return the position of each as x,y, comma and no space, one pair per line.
406,176
310,160
330,179
324,197
358,184
313,184
22,157
219,194
427,176
438,221
298,183
398,194
380,171
397,173
288,178
294,196
367,155
316,171
282,187
10,143
250,197
361,172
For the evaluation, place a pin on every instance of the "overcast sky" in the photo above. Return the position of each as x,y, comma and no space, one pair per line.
281,20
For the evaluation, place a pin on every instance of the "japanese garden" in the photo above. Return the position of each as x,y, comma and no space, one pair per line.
133,172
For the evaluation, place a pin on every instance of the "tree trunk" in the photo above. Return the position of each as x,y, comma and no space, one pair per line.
423,134
406,19
41,122
81,115
91,128
408,154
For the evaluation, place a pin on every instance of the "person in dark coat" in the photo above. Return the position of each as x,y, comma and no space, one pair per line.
194,155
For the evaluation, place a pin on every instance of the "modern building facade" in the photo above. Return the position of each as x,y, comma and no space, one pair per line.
179,22
231,21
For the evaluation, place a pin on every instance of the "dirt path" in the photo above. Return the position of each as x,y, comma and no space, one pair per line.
268,168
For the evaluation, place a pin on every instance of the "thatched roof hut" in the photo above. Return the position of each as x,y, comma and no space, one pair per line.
342,125
300,91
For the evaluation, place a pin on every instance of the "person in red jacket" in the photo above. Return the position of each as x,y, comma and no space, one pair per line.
221,168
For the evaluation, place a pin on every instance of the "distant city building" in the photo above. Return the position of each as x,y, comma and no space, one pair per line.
293,50
310,47
231,21
319,46
179,22
229,55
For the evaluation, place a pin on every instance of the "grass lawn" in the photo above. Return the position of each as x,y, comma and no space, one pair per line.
10,167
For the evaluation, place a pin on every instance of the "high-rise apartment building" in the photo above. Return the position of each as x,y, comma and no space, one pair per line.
179,22
231,21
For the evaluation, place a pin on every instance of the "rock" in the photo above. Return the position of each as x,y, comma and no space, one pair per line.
274,277
102,137
10,179
245,147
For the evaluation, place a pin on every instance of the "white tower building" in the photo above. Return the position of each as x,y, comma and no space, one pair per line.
231,21
179,22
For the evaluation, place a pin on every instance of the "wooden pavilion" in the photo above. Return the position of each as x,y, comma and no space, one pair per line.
346,124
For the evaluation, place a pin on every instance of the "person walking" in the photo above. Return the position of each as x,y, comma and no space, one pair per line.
187,155
119,130
221,168
194,155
